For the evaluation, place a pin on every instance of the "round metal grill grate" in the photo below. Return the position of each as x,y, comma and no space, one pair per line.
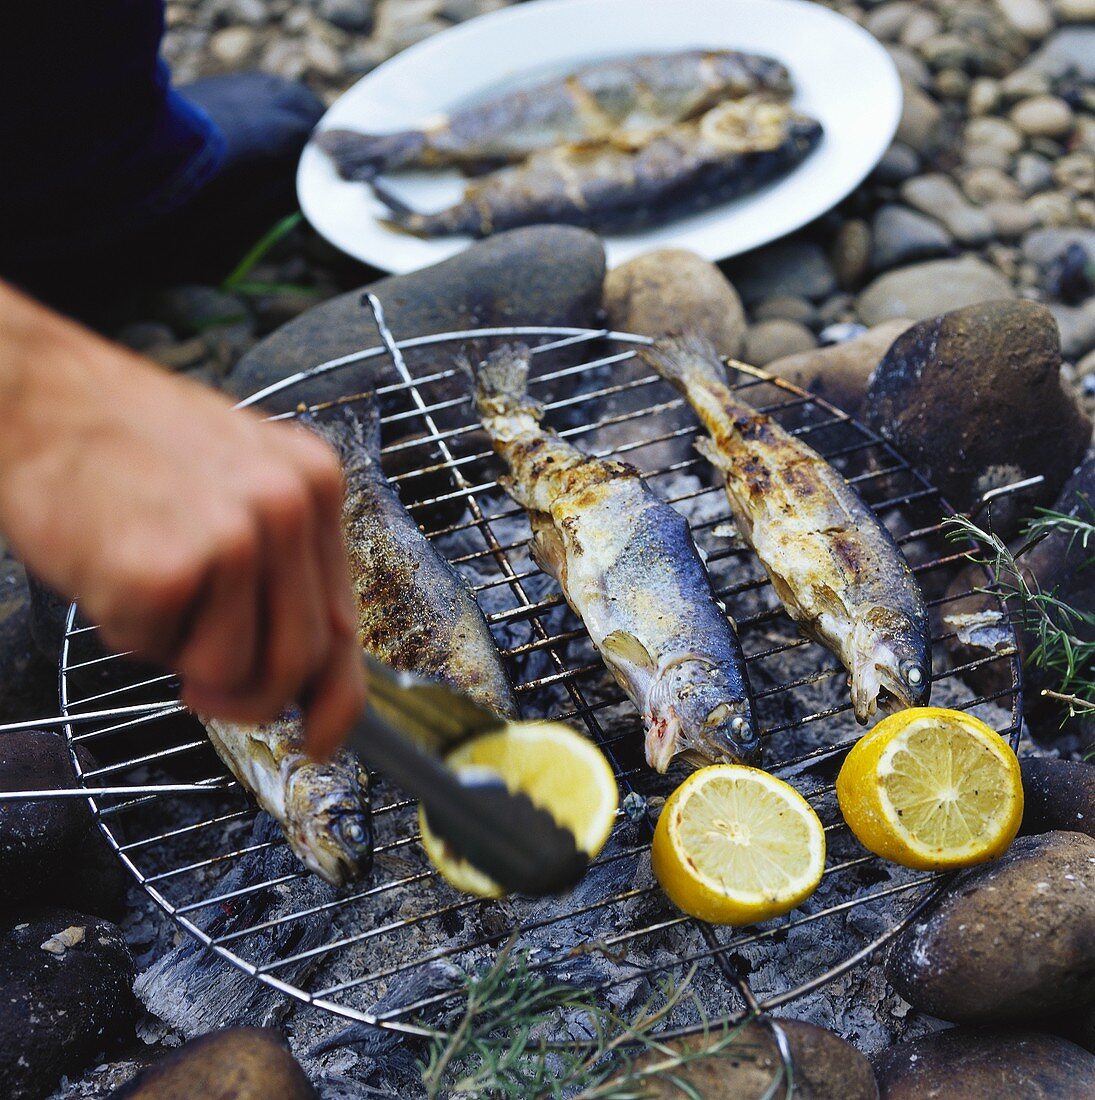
193,844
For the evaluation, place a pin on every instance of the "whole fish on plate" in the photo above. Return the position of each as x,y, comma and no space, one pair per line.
629,568
732,149
833,564
414,613
626,99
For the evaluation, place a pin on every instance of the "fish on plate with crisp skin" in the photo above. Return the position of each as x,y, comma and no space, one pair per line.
629,569
626,99
414,613
731,150
833,564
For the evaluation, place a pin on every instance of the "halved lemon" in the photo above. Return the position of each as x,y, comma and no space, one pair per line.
559,769
735,845
931,788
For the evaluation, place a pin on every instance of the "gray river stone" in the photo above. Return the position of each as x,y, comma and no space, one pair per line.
925,289
543,275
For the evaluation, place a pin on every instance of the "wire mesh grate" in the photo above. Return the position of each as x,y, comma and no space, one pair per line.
194,844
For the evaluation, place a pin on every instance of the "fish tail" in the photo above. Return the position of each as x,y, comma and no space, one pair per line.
360,156
684,359
502,384
355,436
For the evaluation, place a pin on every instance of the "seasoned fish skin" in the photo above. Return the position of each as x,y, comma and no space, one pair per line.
833,564
684,170
625,99
323,809
629,568
415,613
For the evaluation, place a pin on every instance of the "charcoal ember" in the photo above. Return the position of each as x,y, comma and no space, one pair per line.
65,996
1058,794
985,1065
825,1066
50,849
28,680
971,398
237,1063
1010,941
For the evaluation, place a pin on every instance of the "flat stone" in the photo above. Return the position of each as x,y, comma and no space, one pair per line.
1042,116
671,290
543,275
767,341
939,196
983,185
1033,173
349,15
1010,220
1031,18
1044,246
1076,325
970,397
1074,11
850,253
887,20
1010,941
232,46
793,267
997,132
1069,51
984,96
898,163
978,1065
900,236
236,1063
926,289
921,118
62,1010
840,373
786,307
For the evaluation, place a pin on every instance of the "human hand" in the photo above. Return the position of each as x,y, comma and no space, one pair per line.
198,536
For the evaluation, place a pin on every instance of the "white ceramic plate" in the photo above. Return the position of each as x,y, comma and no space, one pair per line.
843,78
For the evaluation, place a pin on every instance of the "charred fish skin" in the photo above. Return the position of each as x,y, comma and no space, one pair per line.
322,808
625,99
415,612
833,564
685,170
629,569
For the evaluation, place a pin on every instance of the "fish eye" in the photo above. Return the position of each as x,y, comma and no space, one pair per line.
912,672
354,832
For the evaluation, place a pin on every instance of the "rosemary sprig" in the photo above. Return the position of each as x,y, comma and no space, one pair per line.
1054,624
501,1045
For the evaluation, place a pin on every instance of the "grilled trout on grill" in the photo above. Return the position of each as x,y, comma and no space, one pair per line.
836,568
629,568
732,149
415,614
625,100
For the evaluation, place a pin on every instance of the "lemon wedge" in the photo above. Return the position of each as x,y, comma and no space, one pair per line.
931,788
559,769
735,845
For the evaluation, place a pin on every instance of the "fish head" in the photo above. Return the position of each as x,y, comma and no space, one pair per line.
696,708
329,818
891,664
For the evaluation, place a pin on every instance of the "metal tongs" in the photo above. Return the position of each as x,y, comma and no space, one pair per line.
407,724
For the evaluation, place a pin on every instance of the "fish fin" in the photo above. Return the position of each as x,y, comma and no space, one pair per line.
626,655
684,358
707,447
547,549
502,384
359,156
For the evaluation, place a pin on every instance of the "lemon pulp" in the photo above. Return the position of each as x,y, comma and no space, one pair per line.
735,845
559,769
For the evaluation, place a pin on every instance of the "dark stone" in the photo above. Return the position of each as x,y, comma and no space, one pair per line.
28,680
51,850
543,275
973,396
1058,794
1010,941
238,1063
792,268
60,1011
900,236
898,163
985,1065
